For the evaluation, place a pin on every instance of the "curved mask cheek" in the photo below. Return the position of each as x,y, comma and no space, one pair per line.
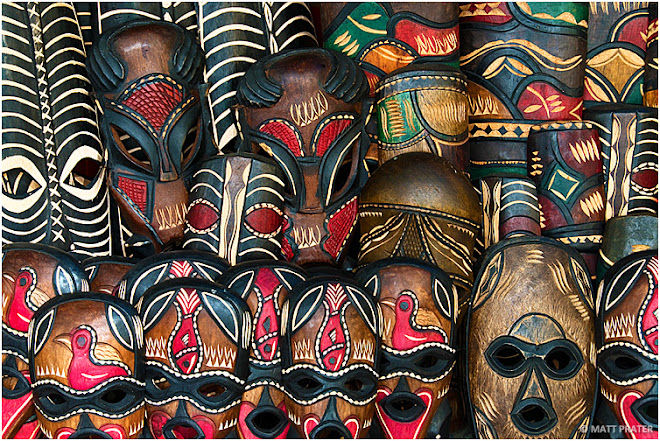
637,429
399,429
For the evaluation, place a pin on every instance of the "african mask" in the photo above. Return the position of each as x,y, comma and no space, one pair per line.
616,51
651,62
305,108
510,208
235,208
18,416
531,356
87,367
524,63
385,36
630,162
145,76
417,205
264,285
105,273
52,159
628,343
565,164
330,346
423,108
623,236
169,265
419,305
197,338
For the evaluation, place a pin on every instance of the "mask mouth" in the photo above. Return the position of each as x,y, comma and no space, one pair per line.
645,410
89,433
533,416
330,430
267,421
403,407
182,428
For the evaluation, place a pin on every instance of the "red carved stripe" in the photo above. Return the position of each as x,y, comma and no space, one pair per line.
154,101
135,190
329,133
543,101
283,132
632,32
340,225
181,268
188,300
287,249
426,40
649,316
264,220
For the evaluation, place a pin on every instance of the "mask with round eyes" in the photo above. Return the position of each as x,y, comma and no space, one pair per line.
197,337
419,305
264,285
52,158
105,273
146,77
330,346
417,205
235,208
628,344
87,367
169,265
306,110
531,355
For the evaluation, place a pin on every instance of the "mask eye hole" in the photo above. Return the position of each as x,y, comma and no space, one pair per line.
508,356
84,173
114,396
18,182
626,363
354,385
559,360
189,144
9,382
55,398
131,147
308,384
161,383
427,362
212,390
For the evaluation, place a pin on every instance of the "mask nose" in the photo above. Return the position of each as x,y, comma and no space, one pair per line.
267,421
533,413
182,426
402,405
331,426
86,430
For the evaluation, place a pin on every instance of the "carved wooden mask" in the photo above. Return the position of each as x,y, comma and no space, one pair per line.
628,343
531,356
305,108
145,76
87,367
264,285
417,205
197,339
330,345
163,266
419,305
235,208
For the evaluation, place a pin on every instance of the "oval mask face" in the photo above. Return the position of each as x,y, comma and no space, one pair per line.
419,305
531,351
628,352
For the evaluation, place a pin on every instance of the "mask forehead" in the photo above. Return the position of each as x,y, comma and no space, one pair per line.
235,208
511,366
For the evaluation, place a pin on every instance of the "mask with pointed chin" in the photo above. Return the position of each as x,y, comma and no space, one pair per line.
628,343
531,354
197,337
146,76
330,344
264,285
419,306
87,367
306,109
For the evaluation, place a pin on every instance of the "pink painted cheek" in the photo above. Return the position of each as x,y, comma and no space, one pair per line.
64,433
115,431
207,426
635,428
157,420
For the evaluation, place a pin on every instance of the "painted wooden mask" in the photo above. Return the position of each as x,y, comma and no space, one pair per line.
419,305
531,356
628,344
87,369
235,208
197,339
330,348
106,273
417,205
264,285
305,108
169,265
31,275
145,76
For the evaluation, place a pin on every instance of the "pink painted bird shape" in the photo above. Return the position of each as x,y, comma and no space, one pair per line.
93,362
408,334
